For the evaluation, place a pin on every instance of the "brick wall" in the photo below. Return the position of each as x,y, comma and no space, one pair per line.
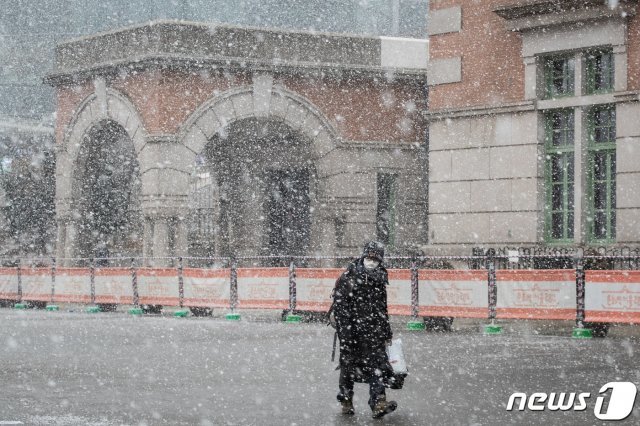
492,68
165,99
360,109
365,110
633,52
68,100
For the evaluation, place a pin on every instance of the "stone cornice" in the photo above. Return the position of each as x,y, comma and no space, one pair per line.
159,138
532,14
11,125
474,111
628,96
530,8
583,101
367,145
197,45
534,105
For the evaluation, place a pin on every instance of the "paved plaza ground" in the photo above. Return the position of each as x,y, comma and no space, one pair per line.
68,368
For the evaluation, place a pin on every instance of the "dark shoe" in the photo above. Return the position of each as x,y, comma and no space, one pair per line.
383,407
347,407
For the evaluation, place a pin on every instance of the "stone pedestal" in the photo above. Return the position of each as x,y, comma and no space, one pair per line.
70,243
160,242
60,240
147,243
181,240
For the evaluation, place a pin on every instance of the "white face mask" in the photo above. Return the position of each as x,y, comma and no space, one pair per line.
370,263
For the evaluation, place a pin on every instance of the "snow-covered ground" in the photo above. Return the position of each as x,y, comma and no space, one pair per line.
69,368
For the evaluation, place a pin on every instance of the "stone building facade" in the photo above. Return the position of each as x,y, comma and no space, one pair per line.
534,124
218,140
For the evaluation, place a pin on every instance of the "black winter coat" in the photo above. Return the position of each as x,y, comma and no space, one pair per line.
362,320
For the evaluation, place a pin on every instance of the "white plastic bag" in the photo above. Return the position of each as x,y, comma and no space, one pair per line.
396,357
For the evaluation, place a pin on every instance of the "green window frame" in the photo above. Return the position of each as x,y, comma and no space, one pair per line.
559,75
559,175
599,68
601,190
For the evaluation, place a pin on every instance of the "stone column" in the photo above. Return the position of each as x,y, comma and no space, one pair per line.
181,242
70,243
235,211
627,172
580,81
323,235
215,206
60,239
620,68
242,228
327,241
147,242
533,81
326,215
254,228
160,241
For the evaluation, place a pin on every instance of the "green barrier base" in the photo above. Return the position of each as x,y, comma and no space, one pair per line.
293,318
20,306
136,311
181,313
52,308
93,309
581,333
492,329
232,316
416,325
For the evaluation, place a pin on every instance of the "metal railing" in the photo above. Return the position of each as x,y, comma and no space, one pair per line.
598,258
545,257
489,261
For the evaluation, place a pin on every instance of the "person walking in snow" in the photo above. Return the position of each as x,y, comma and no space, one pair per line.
359,314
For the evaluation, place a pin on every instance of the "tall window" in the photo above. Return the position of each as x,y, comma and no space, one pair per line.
599,71
559,74
596,175
601,222
386,209
559,147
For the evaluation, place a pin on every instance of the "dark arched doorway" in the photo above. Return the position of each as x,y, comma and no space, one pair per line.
253,193
107,194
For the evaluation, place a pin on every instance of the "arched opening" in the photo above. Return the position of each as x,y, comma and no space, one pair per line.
253,193
107,194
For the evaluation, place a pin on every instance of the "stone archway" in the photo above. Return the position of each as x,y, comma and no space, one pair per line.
271,142
259,102
254,192
104,116
106,193
252,75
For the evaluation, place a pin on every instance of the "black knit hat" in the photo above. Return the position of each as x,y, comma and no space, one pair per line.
374,250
